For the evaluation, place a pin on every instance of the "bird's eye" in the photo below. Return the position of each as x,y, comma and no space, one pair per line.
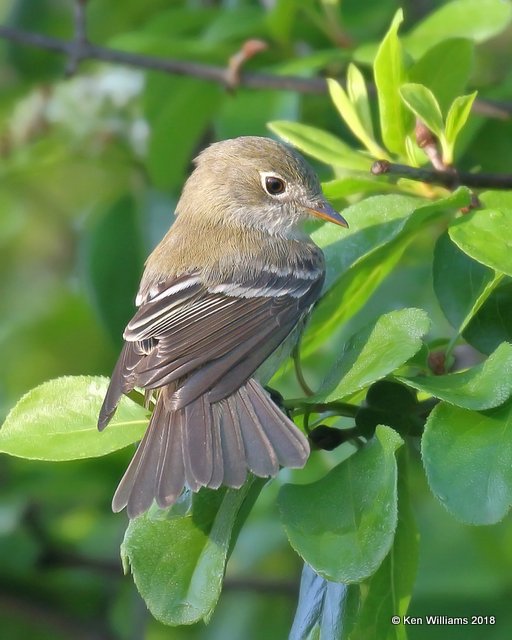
274,185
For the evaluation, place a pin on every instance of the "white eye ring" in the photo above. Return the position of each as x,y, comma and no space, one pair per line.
273,184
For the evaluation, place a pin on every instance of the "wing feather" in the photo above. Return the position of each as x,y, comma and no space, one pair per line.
208,338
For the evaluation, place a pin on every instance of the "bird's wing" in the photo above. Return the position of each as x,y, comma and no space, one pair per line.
209,338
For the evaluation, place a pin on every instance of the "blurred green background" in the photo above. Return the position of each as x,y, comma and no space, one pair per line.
91,167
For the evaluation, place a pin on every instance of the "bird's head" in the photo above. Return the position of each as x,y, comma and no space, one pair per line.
255,182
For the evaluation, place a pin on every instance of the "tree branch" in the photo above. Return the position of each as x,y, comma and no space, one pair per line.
80,41
81,49
221,75
449,178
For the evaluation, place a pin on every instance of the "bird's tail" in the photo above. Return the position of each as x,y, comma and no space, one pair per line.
208,445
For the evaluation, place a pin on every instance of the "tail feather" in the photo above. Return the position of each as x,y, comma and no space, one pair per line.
206,445
233,450
144,489
259,453
197,444
290,446
171,476
217,451
137,487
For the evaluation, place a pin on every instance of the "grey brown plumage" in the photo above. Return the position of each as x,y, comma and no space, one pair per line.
206,320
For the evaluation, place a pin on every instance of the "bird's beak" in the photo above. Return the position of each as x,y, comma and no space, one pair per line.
324,211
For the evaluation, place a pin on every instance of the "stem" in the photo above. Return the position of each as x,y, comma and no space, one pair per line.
449,178
299,374
211,73
299,406
80,41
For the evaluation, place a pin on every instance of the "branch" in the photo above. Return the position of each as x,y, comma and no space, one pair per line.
426,140
80,41
449,178
81,49
221,75
248,50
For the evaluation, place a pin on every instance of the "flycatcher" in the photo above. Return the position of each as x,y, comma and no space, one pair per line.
226,286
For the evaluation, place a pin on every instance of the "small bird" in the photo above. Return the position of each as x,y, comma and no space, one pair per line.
229,282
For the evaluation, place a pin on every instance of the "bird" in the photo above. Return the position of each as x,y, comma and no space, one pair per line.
234,278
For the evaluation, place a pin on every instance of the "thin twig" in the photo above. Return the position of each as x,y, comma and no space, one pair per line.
248,50
300,406
80,40
210,73
207,72
426,140
450,179
299,374
496,109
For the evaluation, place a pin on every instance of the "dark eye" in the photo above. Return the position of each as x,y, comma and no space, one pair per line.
274,186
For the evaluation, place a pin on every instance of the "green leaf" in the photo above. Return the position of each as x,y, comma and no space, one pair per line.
390,74
350,115
468,459
33,66
415,156
470,297
311,63
280,19
185,107
388,591
343,525
114,237
445,69
341,188
161,45
374,352
477,20
458,280
250,110
361,611
496,199
492,324
350,293
242,22
389,402
484,386
320,144
422,102
58,421
178,562
358,94
486,236
179,21
455,120
323,607
373,223
358,259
